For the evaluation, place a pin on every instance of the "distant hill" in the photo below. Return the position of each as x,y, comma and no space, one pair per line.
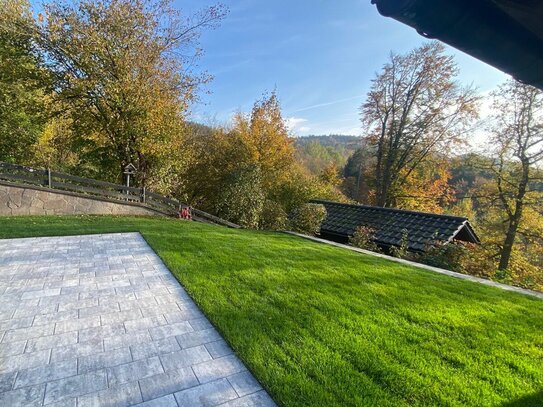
349,143
318,152
200,129
313,152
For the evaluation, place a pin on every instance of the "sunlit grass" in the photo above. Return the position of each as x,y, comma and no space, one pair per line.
320,325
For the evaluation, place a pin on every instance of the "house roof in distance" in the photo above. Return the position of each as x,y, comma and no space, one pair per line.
506,34
389,225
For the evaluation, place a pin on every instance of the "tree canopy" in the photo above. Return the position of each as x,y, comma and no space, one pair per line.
23,83
122,73
414,109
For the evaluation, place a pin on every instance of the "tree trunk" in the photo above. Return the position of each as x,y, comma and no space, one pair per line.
382,196
505,255
515,217
379,167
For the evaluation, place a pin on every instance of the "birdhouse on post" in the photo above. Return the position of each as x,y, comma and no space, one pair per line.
128,171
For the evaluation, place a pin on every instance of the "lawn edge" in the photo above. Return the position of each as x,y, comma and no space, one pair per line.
479,280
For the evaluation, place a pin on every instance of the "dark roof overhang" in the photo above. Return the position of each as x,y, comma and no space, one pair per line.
507,34
465,233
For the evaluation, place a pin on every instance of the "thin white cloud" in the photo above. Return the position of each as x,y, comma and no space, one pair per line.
333,102
231,67
297,125
294,123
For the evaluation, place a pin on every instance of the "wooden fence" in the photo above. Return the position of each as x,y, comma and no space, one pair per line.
87,187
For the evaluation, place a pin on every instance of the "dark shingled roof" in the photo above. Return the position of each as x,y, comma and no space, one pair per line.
389,225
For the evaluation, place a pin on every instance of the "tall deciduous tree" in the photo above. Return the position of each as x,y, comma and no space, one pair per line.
517,139
266,140
123,69
414,108
248,173
258,141
23,83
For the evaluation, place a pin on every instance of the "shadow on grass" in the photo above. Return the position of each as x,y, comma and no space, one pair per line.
532,400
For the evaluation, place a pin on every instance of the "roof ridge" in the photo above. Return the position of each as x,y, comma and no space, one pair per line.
379,208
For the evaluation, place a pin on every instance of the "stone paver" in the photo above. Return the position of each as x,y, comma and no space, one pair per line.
98,320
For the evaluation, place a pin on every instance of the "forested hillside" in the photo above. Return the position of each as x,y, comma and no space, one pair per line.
317,153
340,141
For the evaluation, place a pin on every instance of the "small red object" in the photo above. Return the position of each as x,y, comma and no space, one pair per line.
184,213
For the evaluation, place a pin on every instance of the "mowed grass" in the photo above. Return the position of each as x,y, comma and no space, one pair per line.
323,326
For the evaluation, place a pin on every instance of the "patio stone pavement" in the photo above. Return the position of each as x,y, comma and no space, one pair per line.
98,320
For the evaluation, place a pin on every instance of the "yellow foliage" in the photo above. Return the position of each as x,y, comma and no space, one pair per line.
265,139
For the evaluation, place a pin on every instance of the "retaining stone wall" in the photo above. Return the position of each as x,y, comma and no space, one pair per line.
23,200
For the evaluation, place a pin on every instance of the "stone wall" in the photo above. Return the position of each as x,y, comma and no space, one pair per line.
24,200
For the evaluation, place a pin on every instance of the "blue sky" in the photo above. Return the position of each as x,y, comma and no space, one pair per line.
320,55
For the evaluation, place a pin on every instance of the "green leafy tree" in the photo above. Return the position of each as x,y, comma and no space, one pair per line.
55,148
242,198
302,187
122,71
517,138
273,216
415,108
316,157
359,175
308,218
23,83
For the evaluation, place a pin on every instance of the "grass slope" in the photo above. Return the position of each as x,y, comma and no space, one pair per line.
322,326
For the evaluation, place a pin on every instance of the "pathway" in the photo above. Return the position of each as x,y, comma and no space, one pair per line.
98,320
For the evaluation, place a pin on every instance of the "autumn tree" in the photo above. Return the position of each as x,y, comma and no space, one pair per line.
23,83
123,71
267,145
266,140
55,148
427,189
415,108
517,141
257,142
247,171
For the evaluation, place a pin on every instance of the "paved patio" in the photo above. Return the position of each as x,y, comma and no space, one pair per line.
98,320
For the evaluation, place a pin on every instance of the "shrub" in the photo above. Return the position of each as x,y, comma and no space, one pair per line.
467,258
480,260
363,238
449,256
300,188
307,218
273,216
242,199
521,272
401,250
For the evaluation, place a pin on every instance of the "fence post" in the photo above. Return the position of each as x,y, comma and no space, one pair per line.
143,194
49,177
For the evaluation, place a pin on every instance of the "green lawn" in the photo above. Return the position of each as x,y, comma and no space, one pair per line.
320,325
